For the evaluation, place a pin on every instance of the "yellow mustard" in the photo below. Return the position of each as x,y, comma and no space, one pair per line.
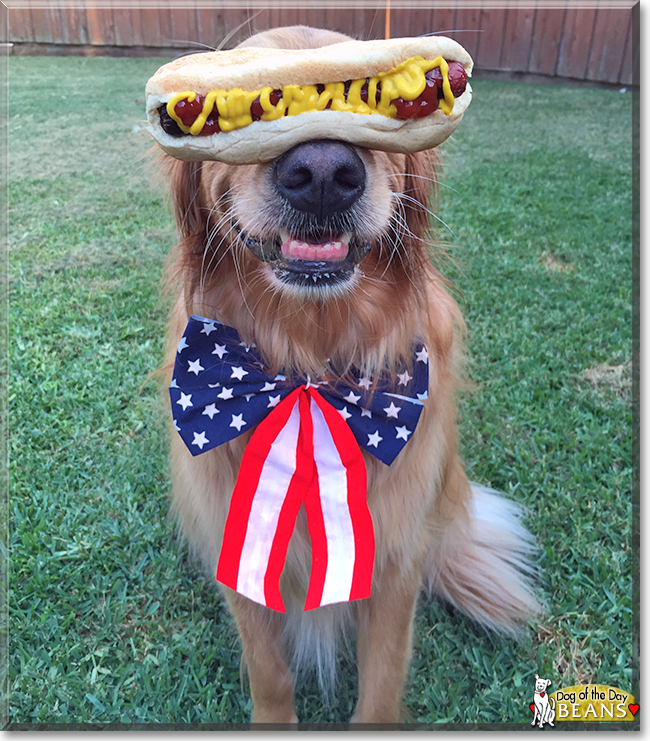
406,81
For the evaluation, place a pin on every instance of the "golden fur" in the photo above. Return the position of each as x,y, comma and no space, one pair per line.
432,527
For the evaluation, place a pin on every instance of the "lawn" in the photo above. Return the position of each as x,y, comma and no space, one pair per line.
108,621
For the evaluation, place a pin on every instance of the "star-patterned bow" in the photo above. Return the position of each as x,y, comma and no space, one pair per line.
305,450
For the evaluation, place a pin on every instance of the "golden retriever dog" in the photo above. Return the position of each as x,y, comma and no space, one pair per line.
434,530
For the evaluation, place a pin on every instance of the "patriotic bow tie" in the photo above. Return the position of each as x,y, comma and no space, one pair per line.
305,450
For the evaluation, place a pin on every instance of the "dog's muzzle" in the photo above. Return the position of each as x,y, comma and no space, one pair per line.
318,184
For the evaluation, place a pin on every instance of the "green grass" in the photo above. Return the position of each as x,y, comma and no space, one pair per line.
108,621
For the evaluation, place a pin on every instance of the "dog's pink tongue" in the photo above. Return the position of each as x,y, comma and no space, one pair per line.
294,249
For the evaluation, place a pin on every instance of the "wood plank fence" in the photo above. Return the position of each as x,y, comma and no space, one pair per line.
580,43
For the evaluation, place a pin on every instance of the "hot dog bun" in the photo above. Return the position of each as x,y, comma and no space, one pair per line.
253,69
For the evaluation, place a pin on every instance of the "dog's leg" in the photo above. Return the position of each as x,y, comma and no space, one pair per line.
271,681
384,632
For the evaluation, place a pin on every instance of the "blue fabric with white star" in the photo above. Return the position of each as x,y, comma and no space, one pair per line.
220,389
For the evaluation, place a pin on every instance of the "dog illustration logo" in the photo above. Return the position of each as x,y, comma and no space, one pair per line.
542,706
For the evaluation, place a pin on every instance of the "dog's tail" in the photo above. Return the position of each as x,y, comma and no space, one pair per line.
482,564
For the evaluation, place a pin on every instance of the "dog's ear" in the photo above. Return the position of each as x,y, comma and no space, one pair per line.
421,189
536,676
184,180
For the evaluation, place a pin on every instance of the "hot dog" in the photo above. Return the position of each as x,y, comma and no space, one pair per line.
251,105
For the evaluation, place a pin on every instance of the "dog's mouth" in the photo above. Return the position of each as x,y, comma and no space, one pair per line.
309,260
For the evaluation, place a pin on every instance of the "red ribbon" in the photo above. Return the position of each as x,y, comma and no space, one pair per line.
302,453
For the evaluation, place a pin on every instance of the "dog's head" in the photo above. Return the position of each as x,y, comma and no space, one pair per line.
320,253
541,684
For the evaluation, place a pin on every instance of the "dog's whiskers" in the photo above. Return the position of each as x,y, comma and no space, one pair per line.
217,203
232,32
399,248
189,42
212,229
240,277
407,175
394,247
211,269
214,251
211,232
402,223
415,202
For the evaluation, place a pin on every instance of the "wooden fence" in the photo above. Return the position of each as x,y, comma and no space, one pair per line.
588,44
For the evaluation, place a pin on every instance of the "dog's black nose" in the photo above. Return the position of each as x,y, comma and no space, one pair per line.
321,177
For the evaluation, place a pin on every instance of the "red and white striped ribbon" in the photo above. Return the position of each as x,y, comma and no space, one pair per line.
302,453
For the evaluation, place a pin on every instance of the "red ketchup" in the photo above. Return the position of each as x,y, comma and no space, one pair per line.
211,125
256,106
188,112
427,102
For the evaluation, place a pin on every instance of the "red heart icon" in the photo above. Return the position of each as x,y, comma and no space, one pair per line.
541,694
634,709
532,707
